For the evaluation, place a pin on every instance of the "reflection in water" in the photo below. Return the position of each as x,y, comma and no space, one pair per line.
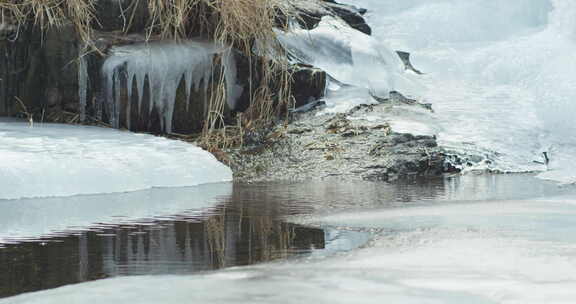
246,228
241,231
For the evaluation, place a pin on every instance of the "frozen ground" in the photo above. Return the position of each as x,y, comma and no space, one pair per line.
50,160
442,250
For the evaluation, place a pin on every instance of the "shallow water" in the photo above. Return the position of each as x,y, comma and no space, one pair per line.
315,228
242,228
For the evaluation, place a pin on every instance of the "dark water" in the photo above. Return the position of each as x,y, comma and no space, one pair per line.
246,228
241,231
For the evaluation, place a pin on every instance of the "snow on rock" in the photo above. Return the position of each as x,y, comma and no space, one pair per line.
61,160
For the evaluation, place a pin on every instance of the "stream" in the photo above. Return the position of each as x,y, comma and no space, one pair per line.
472,238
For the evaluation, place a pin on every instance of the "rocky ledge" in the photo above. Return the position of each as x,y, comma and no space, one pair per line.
351,146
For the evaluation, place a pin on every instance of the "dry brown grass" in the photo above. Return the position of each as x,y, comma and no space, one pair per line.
51,13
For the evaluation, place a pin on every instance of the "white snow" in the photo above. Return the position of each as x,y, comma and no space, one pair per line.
49,160
500,75
40,218
165,65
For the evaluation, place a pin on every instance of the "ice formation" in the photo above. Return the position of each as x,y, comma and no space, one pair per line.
500,74
164,65
61,160
82,85
40,218
350,58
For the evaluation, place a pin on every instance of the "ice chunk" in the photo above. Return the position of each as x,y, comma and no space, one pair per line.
63,160
349,56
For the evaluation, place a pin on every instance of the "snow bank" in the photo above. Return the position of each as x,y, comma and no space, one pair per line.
61,160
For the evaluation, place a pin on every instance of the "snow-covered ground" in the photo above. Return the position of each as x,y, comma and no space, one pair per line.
499,74
49,160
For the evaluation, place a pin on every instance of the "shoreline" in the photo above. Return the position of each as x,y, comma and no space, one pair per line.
314,145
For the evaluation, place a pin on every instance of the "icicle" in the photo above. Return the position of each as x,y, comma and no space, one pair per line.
117,100
188,83
165,64
82,85
233,90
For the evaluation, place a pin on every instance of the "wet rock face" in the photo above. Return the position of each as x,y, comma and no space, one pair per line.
121,15
8,30
308,84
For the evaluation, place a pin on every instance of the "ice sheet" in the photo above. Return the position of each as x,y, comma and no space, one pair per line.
63,160
28,219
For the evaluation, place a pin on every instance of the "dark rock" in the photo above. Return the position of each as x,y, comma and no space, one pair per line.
405,57
299,130
308,84
348,13
21,71
8,30
249,68
121,15
352,17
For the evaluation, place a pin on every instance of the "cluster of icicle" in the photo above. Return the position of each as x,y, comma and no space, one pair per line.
165,65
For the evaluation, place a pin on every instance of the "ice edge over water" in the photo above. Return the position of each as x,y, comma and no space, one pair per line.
61,160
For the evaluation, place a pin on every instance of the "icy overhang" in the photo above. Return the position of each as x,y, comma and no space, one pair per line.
163,65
